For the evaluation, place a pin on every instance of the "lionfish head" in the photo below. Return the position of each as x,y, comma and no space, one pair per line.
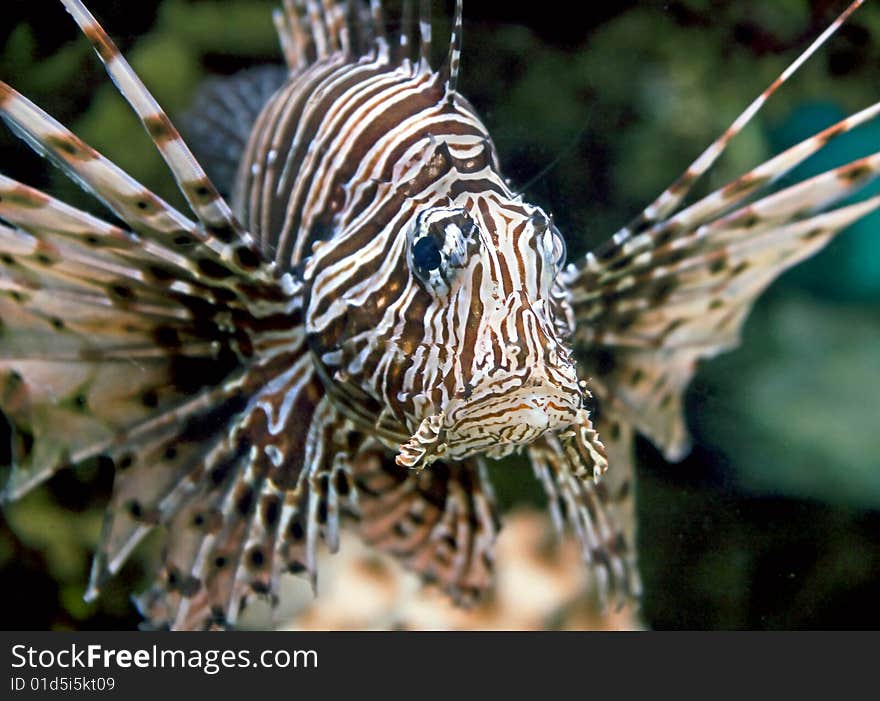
486,368
450,323
503,373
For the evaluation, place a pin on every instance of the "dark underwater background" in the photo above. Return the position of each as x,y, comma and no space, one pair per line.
773,521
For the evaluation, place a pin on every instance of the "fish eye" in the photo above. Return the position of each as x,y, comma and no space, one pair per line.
438,245
426,254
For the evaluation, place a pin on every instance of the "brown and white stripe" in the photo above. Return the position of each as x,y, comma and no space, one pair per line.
375,314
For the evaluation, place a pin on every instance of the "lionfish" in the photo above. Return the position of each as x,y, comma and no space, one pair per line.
372,316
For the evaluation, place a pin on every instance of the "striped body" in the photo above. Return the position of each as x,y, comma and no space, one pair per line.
343,162
375,314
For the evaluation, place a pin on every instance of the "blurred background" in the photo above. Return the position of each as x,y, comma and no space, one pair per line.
774,520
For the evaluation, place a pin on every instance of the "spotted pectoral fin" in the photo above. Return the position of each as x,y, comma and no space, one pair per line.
618,484
159,469
106,336
439,522
247,518
645,389
677,282
80,378
587,507
193,588
650,314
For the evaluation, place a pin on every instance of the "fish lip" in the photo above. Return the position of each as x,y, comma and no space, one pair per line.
525,414
543,407
477,420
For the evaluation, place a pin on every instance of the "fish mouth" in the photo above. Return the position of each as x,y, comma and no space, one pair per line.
529,407
502,424
494,423
541,399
